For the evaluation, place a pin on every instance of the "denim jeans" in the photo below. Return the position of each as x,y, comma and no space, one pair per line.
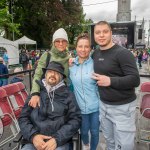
90,122
31,147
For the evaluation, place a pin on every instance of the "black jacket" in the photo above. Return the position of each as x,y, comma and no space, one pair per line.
3,70
62,123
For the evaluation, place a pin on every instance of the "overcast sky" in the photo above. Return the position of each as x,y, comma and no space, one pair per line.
108,11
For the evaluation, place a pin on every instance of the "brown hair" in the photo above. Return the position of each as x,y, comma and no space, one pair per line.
103,23
82,36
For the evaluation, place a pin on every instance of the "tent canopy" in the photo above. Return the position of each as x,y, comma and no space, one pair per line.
12,50
25,40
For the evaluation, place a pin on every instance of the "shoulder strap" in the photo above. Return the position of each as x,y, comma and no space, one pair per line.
47,62
48,58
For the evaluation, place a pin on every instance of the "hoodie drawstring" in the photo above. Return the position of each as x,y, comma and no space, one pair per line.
51,97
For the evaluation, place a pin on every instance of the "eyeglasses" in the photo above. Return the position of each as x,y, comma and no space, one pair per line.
60,41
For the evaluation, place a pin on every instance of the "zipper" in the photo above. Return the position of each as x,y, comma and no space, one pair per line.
82,86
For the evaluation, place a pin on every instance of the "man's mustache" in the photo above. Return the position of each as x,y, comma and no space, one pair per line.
52,77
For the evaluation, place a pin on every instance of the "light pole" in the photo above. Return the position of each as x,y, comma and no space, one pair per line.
148,34
12,2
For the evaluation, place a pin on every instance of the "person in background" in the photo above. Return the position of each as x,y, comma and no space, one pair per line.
3,71
140,56
18,77
86,92
52,125
117,76
57,53
24,59
6,59
33,57
145,56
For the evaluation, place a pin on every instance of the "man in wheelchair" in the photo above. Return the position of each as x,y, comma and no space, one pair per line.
51,125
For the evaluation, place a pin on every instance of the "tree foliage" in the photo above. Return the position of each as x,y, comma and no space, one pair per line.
6,24
39,19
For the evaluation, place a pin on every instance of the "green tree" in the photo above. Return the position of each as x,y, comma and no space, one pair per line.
40,18
6,25
40,21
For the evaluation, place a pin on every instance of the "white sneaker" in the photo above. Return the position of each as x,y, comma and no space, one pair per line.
86,147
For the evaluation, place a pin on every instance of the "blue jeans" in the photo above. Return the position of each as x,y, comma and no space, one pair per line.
90,122
31,147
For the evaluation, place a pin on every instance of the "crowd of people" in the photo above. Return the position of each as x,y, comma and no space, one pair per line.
94,90
141,56
27,61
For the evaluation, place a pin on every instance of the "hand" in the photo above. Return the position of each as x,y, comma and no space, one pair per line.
34,101
71,60
102,80
50,144
38,141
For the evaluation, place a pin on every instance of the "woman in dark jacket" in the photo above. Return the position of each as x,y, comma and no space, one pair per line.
58,117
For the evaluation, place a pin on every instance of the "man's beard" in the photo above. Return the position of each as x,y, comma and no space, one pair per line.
52,77
52,81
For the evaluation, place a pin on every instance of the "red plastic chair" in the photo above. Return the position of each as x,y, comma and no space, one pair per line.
23,90
143,134
5,108
15,97
145,106
145,87
7,116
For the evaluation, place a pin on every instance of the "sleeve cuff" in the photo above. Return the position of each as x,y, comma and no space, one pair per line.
32,136
35,93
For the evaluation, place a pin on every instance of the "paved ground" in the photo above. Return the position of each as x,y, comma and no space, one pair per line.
102,145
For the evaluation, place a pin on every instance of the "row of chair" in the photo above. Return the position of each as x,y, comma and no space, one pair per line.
12,98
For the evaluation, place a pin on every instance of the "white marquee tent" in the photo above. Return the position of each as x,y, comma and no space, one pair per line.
12,50
26,41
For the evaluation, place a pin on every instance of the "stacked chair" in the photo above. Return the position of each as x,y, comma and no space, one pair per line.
23,90
12,98
15,97
143,131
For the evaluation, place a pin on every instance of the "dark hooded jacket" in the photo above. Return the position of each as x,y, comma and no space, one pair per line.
62,122
16,79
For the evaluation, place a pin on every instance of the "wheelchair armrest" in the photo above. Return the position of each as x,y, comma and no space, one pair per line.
75,137
18,138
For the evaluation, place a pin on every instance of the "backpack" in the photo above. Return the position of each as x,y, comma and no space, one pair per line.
47,62
24,58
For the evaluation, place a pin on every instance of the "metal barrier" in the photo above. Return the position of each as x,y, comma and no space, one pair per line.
31,70
26,71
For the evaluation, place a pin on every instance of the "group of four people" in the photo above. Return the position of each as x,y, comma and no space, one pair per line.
103,84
